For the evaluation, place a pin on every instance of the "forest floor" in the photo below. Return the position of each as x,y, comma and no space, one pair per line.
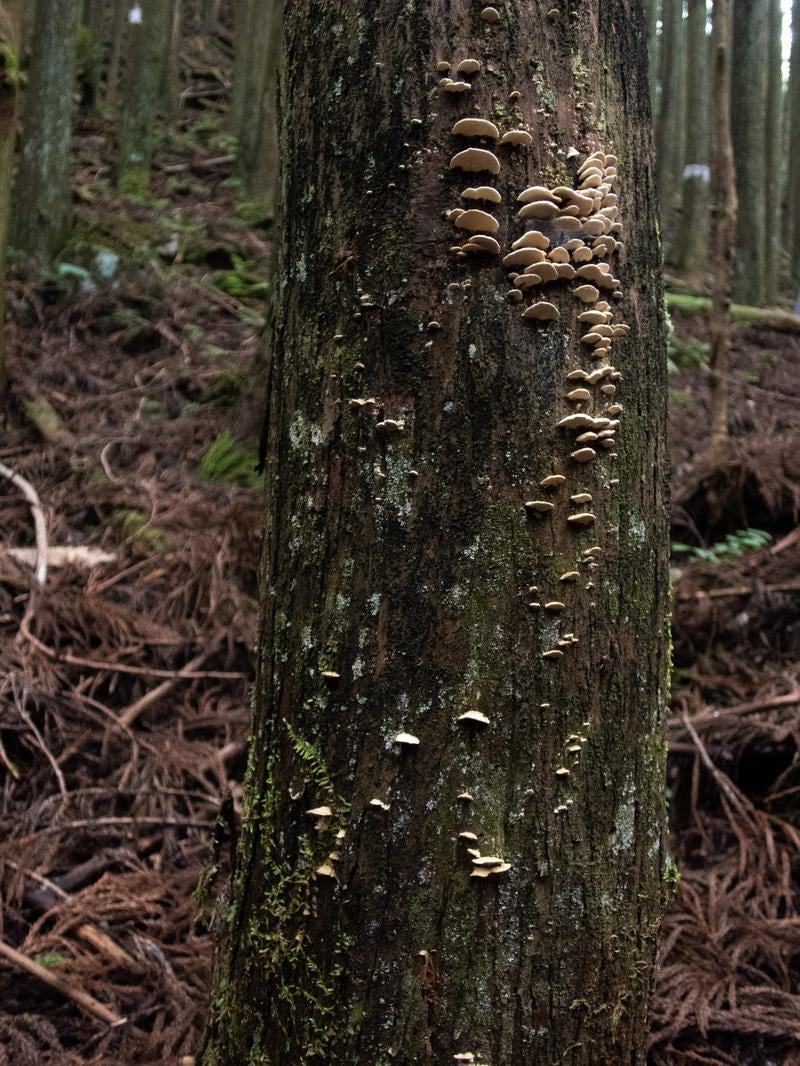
124,694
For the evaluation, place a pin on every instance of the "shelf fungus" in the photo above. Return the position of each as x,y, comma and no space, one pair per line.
583,455
447,85
476,127
326,870
331,678
320,812
587,293
473,717
478,221
571,575
464,797
580,420
543,271
582,497
468,838
542,311
584,518
517,138
539,209
468,67
555,605
579,395
524,257
562,771
389,426
534,238
552,481
475,160
482,192
539,507
490,14
553,653
380,804
406,740
480,242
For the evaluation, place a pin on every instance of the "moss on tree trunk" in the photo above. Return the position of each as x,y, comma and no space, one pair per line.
412,412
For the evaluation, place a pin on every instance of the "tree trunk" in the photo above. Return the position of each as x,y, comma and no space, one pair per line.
652,12
792,195
725,207
146,36
668,132
692,246
410,594
774,153
257,138
748,101
10,41
42,213
210,16
118,38
172,62
242,65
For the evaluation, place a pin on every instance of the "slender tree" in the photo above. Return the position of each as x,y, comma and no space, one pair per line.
257,138
148,30
172,57
119,27
210,16
774,153
41,215
691,254
748,100
10,39
652,11
792,193
668,130
725,209
452,841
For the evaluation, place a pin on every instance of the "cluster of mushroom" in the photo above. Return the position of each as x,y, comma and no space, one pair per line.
322,816
477,221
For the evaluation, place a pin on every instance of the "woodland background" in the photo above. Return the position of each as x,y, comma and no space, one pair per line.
132,405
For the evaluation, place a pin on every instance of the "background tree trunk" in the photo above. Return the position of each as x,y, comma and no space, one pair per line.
144,72
118,38
725,207
691,254
172,56
792,196
668,129
653,12
412,412
748,100
10,41
41,218
774,153
257,138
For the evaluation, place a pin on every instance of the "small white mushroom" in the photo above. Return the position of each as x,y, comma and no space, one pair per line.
473,717
544,271
562,771
326,870
379,803
475,160
586,438
586,293
406,739
537,507
579,420
571,575
553,653
476,127
490,14
443,66
532,239
455,86
320,812
487,861
535,193
552,481
469,837
582,519
524,257
481,243
539,209
468,66
578,395
555,605
514,295
465,797
582,497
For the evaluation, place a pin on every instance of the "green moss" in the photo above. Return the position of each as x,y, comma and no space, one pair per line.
135,527
229,462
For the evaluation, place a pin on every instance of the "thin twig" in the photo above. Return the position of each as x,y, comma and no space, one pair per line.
39,524
48,977
131,713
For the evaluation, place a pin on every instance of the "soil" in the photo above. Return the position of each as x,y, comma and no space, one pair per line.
133,411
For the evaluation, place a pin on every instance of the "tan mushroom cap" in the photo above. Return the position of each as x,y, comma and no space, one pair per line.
542,312
565,271
476,127
320,812
585,518
478,221
592,272
558,255
474,160
577,375
534,193
592,318
581,497
455,86
586,438
524,257
539,506
406,738
579,420
514,295
554,653
568,223
539,209
490,14
583,455
468,66
481,243
544,271
586,293
443,66
534,238
579,395
582,255
482,192
521,137
552,481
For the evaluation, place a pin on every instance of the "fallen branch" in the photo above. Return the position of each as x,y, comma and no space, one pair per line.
78,996
760,317
39,524
737,590
199,164
131,713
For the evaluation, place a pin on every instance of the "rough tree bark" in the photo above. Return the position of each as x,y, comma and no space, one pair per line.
652,11
41,217
724,214
691,254
748,100
407,589
774,153
10,39
147,34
